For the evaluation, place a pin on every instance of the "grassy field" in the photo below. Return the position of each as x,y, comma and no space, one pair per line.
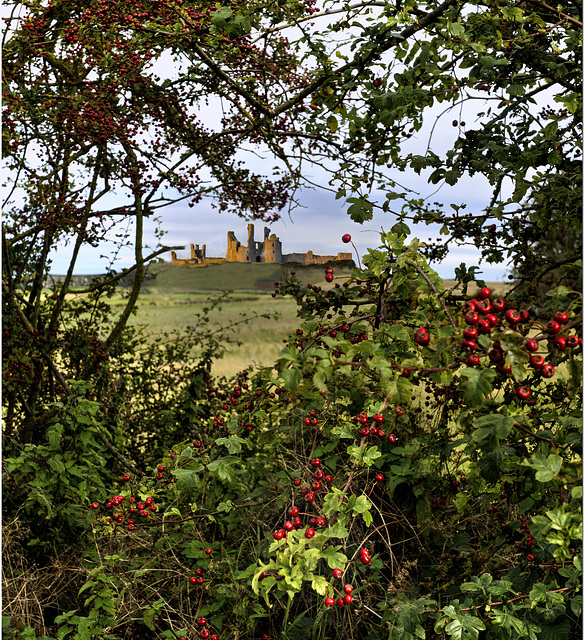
171,300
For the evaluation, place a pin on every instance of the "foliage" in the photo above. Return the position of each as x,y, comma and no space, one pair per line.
411,465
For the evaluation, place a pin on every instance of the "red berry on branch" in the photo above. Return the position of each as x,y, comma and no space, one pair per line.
547,371
523,393
512,316
553,327
498,304
561,317
532,345
483,294
346,238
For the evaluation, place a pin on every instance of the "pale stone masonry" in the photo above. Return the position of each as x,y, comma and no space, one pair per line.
270,250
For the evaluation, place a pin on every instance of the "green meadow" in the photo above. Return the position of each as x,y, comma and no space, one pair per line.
172,298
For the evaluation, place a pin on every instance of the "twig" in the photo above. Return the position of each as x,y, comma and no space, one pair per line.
431,285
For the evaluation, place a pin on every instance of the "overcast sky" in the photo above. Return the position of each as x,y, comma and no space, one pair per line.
321,220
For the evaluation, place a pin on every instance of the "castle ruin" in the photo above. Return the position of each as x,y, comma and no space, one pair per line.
270,250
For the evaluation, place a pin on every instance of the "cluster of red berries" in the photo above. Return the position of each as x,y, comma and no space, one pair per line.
483,314
318,483
371,427
126,511
341,600
295,523
198,578
528,541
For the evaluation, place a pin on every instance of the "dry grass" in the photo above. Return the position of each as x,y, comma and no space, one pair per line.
30,591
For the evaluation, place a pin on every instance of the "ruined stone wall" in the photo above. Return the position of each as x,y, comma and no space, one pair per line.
236,252
270,250
312,259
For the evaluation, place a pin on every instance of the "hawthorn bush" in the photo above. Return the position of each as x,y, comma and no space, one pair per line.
410,468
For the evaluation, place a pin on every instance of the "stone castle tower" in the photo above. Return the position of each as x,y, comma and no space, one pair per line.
270,250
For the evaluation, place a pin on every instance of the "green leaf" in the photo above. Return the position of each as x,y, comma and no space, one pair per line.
360,210
547,469
233,443
332,123
516,90
224,467
334,559
187,479
476,385
493,424
321,585
292,378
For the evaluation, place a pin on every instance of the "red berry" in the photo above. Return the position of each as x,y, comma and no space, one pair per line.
288,526
365,559
512,316
348,598
421,336
484,307
573,342
193,580
498,304
329,277
294,511
560,343
536,361
380,477
309,497
337,573
472,318
346,238
547,371
202,622
561,317
532,345
484,326
483,294
523,393
473,360
524,315
329,602
278,535
340,602
496,355
310,533
553,327
470,333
